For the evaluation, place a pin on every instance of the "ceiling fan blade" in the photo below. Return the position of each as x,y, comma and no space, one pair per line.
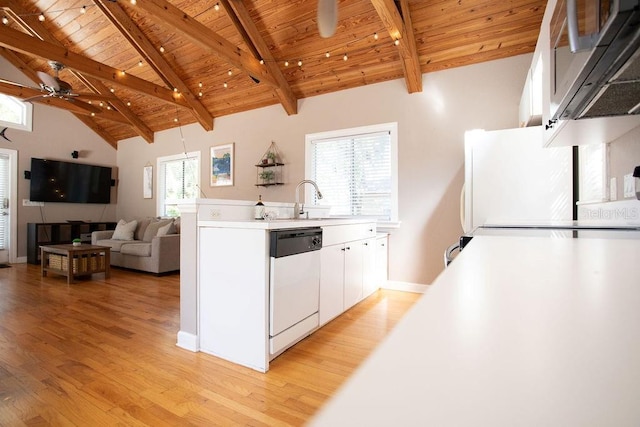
37,97
327,17
48,80
24,93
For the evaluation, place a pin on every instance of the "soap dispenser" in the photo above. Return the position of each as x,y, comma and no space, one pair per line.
258,210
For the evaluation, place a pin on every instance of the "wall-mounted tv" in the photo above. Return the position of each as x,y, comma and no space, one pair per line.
66,182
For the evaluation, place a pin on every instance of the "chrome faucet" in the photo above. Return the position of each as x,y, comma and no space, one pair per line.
297,208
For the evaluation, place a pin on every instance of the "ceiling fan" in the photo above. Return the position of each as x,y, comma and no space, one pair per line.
327,17
53,86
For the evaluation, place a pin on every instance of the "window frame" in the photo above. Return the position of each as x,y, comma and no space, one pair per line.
27,114
392,128
160,188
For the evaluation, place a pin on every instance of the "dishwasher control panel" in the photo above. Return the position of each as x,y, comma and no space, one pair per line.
294,241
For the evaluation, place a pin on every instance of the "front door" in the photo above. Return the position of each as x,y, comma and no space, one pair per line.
7,165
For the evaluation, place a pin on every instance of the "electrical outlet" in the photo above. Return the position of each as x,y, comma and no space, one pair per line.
613,189
629,186
27,202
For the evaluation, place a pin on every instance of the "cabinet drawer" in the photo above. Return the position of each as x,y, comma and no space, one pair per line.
336,234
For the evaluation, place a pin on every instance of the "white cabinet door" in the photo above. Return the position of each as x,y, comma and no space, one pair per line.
381,264
353,268
331,282
369,279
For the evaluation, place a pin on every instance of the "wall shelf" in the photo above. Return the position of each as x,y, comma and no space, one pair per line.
269,168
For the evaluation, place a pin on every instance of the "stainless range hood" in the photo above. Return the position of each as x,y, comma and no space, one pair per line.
609,83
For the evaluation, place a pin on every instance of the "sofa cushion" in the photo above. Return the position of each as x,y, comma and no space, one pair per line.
143,223
124,230
137,249
152,229
166,229
115,245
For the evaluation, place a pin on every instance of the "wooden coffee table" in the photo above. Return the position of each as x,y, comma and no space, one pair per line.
73,261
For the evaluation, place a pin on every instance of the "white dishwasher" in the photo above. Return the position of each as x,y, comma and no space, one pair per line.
294,285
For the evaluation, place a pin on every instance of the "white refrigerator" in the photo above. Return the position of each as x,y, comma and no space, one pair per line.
510,179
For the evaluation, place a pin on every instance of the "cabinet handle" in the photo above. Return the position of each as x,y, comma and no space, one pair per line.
371,230
343,249
348,248
366,244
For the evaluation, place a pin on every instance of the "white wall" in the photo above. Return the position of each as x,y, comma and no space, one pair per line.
431,128
56,133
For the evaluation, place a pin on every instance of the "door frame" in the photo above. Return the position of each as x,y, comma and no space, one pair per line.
13,203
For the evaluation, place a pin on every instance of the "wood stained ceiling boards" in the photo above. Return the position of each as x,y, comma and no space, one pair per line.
237,49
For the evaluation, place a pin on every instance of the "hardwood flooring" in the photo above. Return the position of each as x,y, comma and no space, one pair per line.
102,352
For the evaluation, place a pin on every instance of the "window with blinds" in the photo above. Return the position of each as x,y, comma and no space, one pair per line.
179,179
355,172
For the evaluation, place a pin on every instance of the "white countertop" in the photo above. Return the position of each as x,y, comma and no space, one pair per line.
522,331
282,223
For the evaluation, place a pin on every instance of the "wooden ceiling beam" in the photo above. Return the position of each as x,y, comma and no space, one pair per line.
36,28
240,28
21,42
24,92
207,39
400,28
10,7
97,86
147,50
247,28
17,62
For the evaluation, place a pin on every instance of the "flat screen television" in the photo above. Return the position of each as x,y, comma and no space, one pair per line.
66,182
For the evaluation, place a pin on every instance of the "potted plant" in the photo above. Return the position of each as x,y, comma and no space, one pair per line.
271,157
267,176
76,242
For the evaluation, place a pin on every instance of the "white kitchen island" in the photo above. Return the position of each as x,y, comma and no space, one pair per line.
225,302
524,331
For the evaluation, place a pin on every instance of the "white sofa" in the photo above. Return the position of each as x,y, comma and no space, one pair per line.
153,246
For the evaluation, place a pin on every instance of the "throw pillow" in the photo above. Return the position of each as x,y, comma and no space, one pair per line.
124,230
143,223
166,229
152,229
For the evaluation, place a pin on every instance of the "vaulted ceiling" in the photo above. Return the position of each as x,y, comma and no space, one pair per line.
150,65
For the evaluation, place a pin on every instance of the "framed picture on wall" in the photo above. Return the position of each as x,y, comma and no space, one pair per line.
222,165
147,182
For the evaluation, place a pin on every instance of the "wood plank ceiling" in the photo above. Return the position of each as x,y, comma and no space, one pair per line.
156,64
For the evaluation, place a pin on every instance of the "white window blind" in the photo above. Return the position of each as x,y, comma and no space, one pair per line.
179,178
4,198
354,174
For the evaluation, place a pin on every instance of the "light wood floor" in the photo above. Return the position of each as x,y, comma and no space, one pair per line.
103,353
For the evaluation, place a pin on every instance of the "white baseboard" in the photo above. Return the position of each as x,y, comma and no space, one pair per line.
188,341
21,260
405,286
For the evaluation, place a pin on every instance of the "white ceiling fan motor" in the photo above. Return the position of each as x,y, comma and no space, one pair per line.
327,17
